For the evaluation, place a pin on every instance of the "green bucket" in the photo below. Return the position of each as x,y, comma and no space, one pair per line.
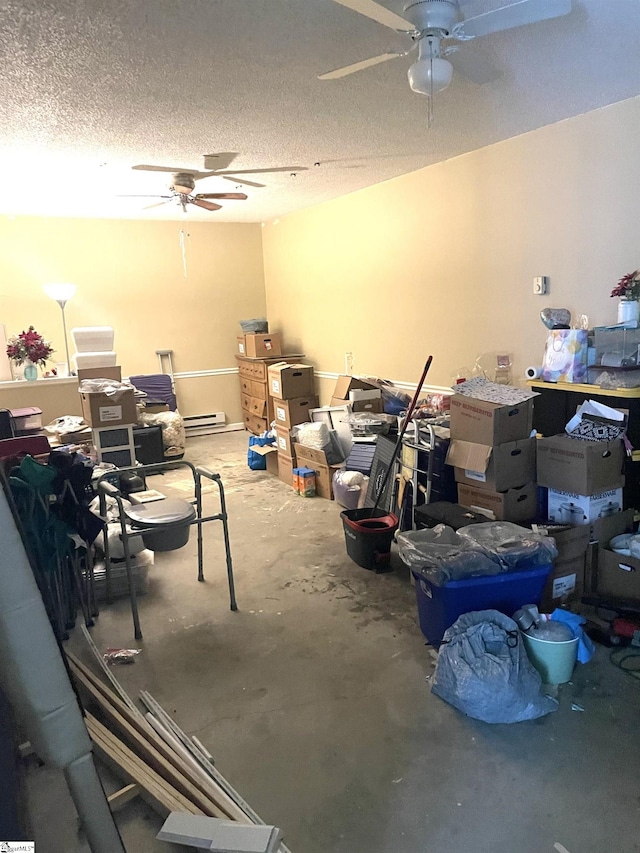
553,660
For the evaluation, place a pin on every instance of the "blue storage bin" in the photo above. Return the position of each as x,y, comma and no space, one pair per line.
440,606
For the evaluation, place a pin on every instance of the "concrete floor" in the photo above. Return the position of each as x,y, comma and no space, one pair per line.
313,700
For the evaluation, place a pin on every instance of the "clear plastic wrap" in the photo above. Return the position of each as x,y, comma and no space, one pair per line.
514,547
441,555
173,434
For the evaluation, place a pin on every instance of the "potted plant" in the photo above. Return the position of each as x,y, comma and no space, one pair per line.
628,292
31,349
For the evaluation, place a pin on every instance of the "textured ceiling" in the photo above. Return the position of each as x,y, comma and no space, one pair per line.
89,88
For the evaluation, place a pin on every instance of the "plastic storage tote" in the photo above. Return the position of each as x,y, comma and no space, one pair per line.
440,606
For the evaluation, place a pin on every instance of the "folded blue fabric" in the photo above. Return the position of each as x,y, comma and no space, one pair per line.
575,622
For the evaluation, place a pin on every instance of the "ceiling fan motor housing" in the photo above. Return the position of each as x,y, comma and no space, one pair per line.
183,183
440,15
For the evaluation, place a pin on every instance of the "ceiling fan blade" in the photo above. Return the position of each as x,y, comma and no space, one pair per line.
477,68
230,196
208,205
165,169
507,17
167,199
222,160
143,196
243,181
358,66
262,171
378,13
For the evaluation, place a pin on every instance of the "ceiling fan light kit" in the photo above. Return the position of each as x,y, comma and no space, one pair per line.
429,23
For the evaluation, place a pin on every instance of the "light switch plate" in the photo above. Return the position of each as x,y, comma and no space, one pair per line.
540,285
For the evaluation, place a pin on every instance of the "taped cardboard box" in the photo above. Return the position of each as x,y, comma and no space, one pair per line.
489,423
317,461
289,413
290,381
260,346
494,468
571,508
518,504
284,443
100,409
583,467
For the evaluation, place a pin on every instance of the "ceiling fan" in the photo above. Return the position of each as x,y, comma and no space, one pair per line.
217,165
182,187
431,22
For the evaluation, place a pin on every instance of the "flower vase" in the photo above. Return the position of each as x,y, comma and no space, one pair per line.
30,372
628,311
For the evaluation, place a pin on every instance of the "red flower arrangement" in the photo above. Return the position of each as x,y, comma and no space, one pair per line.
628,287
29,346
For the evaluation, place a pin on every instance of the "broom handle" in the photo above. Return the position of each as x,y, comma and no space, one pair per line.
403,429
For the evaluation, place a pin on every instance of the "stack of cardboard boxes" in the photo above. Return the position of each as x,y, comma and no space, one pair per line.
111,417
494,457
291,387
584,480
255,354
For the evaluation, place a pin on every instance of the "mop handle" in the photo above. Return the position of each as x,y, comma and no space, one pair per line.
403,429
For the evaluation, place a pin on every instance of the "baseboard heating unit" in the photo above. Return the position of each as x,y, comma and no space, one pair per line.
204,424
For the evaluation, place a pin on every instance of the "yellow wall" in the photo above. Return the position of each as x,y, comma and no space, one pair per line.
442,260
130,276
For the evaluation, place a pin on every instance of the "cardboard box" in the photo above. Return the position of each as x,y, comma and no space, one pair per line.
290,381
103,410
571,508
270,453
618,577
284,443
571,542
584,467
344,384
288,413
518,504
373,406
604,529
285,468
261,346
565,583
607,574
489,423
495,468
308,457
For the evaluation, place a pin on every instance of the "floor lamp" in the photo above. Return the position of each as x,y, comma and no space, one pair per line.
62,293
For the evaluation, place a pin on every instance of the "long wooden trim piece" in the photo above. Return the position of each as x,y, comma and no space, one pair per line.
166,797
154,751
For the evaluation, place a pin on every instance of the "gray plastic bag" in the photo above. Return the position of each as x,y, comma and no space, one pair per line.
514,546
483,670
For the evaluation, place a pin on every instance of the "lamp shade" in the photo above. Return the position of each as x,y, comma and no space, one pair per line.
60,291
420,75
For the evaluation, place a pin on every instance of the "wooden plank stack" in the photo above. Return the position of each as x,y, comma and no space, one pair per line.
153,756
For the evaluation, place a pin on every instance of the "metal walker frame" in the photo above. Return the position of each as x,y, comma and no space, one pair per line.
107,489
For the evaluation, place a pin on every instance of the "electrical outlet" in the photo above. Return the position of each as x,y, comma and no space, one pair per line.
540,285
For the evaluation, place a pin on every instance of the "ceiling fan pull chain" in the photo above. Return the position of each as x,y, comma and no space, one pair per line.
183,249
